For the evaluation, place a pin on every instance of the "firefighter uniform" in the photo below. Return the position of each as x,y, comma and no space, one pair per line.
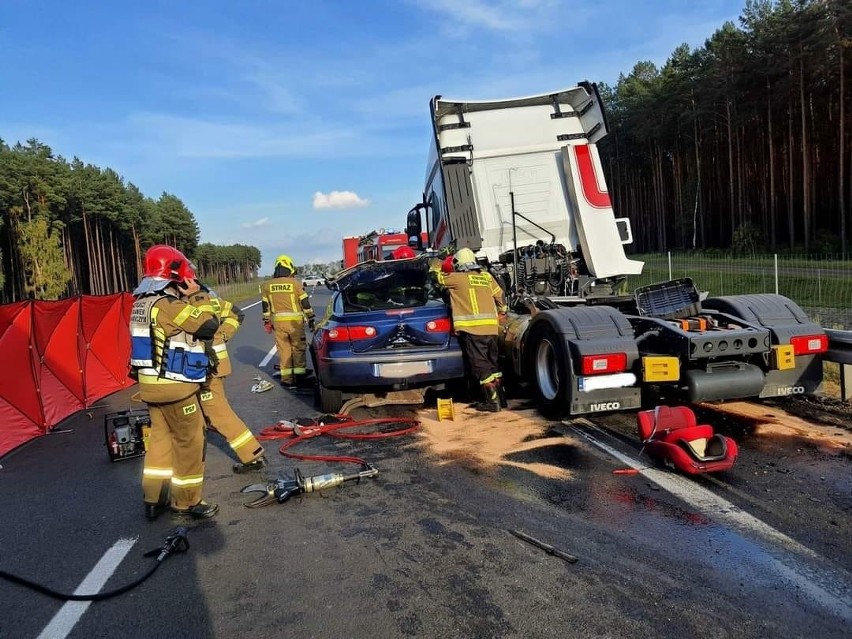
286,307
214,403
475,300
170,362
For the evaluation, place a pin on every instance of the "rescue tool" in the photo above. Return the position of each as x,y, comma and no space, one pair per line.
280,490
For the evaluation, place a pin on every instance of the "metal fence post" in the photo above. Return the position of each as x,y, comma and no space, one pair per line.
776,273
670,264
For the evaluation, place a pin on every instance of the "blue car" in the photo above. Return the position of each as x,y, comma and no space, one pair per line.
386,329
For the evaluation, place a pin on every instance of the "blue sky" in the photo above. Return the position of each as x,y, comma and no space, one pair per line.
288,124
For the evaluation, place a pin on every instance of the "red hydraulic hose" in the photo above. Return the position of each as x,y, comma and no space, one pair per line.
296,433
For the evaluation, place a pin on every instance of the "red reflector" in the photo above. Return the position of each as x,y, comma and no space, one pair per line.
809,344
438,326
604,363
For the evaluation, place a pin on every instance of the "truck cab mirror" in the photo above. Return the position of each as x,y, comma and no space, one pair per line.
414,227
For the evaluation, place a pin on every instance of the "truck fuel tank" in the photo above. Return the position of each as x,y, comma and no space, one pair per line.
511,337
723,380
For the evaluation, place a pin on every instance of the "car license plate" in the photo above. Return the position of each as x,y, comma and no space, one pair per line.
402,369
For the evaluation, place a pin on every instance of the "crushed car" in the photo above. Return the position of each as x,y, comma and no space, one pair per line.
386,329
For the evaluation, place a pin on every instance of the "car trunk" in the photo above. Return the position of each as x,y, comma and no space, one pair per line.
392,307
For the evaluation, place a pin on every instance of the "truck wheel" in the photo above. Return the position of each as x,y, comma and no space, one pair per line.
547,363
328,400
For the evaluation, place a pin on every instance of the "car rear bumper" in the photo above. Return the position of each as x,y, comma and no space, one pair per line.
396,370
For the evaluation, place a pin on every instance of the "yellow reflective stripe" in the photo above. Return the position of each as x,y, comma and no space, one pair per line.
226,308
287,316
303,296
489,379
157,472
206,308
476,322
230,321
189,480
241,440
292,300
186,313
474,307
155,379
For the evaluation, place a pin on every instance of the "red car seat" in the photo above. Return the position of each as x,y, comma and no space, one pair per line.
670,434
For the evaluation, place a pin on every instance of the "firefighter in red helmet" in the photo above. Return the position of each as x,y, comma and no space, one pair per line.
170,361
403,253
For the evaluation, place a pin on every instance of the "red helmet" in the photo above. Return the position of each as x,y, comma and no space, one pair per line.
403,253
168,263
447,265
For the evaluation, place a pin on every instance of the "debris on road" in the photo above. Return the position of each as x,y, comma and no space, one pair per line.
550,550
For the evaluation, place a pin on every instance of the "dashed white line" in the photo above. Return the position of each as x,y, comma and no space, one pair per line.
269,356
63,622
245,308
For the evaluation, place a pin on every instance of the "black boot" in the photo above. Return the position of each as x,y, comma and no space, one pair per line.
250,467
152,511
201,510
491,400
501,393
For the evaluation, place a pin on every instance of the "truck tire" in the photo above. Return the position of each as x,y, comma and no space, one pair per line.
328,400
548,364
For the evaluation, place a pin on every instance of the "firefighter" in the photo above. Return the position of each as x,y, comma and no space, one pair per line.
214,403
477,303
286,307
170,361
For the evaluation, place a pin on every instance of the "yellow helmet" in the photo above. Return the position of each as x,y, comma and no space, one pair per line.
287,262
464,260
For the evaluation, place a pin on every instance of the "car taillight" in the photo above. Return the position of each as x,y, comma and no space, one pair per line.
604,363
809,344
361,332
438,326
345,333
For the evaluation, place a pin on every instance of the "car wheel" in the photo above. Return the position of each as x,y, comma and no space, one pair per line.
329,400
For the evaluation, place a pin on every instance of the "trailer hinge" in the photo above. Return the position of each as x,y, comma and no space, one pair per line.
571,136
461,124
557,110
456,149
588,105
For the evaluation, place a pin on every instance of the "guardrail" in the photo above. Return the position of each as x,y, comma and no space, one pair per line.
840,351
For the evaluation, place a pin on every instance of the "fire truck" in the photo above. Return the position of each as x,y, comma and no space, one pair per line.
519,181
377,245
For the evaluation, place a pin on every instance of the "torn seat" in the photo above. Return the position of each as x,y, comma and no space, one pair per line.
671,435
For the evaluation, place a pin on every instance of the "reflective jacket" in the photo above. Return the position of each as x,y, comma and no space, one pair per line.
284,300
167,351
230,317
475,300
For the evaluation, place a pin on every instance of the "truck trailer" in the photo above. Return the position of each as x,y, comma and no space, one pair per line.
519,181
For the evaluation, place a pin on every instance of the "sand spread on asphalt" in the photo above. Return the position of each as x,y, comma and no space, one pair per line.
769,420
482,441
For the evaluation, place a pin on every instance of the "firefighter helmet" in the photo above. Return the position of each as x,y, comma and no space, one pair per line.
464,260
403,253
285,261
166,262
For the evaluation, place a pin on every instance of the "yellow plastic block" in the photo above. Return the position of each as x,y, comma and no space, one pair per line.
660,368
783,358
446,410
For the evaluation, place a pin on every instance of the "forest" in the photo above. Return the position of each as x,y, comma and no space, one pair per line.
741,144
70,228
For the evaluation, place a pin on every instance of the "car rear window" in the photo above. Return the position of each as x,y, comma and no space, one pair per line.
406,289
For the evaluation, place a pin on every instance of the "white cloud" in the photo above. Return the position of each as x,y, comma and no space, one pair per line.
339,200
261,222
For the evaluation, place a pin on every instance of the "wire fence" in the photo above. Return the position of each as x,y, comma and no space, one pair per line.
822,285
238,291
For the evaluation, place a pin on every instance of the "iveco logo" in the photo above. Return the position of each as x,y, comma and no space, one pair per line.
605,406
791,390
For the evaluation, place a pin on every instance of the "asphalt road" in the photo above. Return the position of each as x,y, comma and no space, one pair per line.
423,550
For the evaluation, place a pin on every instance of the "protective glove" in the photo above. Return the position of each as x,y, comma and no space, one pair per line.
267,326
311,323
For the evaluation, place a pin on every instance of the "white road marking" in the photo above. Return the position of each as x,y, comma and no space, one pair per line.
64,621
245,308
269,356
710,504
